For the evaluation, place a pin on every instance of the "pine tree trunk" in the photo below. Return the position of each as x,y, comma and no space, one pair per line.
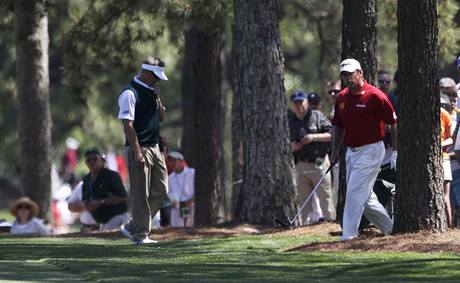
189,92
419,201
359,41
237,151
268,187
32,82
359,35
203,129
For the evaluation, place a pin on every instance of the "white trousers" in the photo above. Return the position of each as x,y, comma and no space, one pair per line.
363,164
114,222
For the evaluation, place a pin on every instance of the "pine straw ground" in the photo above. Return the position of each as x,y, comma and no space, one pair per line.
369,240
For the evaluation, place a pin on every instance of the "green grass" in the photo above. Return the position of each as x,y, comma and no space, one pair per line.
233,259
5,214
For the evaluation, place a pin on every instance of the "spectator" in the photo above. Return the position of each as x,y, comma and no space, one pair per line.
446,142
141,112
334,88
384,81
25,210
181,184
447,86
310,137
103,193
69,161
393,96
455,185
314,101
75,204
361,111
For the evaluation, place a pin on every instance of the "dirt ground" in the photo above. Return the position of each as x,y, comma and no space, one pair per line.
369,240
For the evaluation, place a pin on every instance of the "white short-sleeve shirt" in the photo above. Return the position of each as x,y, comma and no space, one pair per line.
76,196
127,102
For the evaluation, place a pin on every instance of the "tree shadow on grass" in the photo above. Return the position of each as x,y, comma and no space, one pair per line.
276,270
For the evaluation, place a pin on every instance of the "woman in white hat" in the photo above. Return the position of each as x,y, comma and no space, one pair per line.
25,210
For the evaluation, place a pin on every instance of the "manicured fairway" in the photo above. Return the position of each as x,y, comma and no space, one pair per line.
260,258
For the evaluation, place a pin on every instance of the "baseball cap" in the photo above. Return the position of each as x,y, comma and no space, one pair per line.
298,95
458,62
349,65
313,97
93,150
447,82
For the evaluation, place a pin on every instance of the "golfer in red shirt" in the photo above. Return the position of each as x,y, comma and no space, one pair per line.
362,112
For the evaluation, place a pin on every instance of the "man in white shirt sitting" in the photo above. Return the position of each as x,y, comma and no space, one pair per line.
181,191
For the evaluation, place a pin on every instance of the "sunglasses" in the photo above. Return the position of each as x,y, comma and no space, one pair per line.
23,207
94,159
384,81
333,91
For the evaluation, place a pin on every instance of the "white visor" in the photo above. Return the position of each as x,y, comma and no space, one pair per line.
159,71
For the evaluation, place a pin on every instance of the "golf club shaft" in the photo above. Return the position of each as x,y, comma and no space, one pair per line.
311,194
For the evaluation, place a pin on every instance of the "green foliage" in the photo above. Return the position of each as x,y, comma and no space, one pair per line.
311,42
96,48
105,45
241,259
449,32
5,214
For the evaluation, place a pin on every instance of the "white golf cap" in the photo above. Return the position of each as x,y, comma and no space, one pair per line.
176,155
157,70
349,65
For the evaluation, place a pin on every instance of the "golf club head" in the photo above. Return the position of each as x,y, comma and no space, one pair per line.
281,223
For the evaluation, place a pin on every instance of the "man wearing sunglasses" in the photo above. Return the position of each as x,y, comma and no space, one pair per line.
103,193
384,81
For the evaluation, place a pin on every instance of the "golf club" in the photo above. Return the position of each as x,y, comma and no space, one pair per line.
291,221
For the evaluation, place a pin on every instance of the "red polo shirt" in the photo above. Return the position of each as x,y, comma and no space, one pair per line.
363,114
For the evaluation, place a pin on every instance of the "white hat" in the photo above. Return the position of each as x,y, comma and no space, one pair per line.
176,155
447,82
349,65
72,143
159,71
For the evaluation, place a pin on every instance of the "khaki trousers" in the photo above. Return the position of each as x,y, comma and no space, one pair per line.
308,175
148,189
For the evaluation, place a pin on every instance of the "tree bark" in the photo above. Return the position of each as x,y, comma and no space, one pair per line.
32,82
359,41
419,201
359,35
203,127
237,151
189,92
268,186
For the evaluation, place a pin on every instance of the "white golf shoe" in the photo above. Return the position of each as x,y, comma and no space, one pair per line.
145,241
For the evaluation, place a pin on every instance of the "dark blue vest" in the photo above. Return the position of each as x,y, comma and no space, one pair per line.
146,116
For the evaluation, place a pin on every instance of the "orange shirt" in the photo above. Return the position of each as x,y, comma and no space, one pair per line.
446,125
